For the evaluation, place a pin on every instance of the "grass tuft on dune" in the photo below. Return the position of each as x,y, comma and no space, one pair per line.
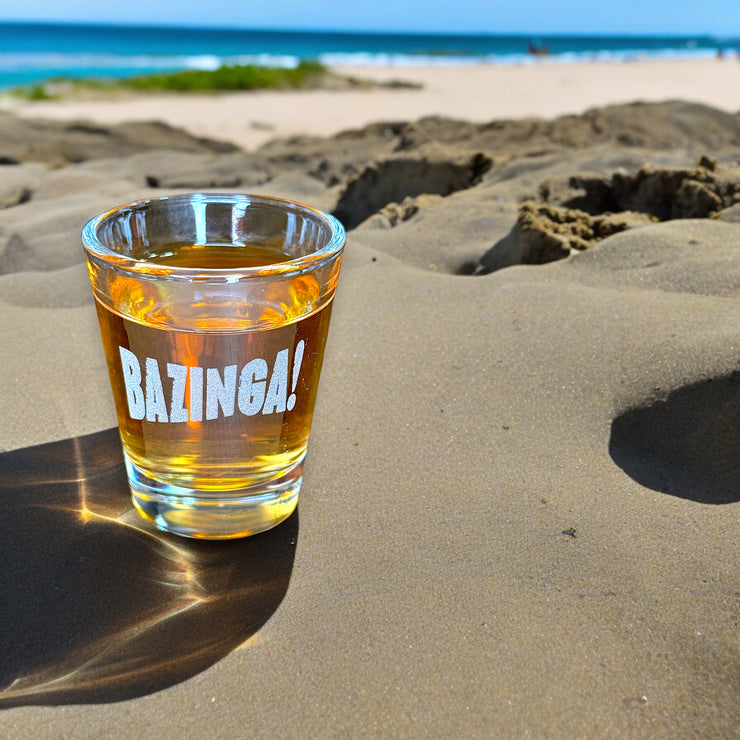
230,77
306,75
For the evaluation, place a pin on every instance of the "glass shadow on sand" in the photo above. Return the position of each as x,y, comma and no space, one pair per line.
687,445
96,605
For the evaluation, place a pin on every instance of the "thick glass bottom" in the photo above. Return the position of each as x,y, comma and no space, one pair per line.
214,515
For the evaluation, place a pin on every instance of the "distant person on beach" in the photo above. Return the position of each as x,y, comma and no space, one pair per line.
537,49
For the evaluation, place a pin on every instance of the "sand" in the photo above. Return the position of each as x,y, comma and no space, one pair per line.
520,508
478,93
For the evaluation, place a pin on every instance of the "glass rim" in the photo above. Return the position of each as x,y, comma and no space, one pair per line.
154,270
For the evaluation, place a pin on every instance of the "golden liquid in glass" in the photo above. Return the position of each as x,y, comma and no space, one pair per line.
173,440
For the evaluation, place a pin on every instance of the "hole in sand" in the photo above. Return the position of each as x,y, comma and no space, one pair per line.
687,445
392,180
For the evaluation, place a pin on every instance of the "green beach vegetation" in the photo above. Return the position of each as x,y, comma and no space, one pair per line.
306,75
231,77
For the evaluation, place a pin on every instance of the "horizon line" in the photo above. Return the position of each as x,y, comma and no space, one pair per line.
186,26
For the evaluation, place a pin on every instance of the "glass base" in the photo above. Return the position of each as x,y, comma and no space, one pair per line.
214,515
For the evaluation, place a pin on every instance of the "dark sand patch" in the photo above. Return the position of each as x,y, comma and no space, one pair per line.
687,444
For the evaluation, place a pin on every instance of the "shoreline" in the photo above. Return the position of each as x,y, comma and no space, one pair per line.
476,93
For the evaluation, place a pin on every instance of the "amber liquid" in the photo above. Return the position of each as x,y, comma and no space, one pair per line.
217,257
232,451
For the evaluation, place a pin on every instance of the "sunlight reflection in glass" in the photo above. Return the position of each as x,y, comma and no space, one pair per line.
103,607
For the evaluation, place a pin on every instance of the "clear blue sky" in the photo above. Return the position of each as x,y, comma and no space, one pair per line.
688,17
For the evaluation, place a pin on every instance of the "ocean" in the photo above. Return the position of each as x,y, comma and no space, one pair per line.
32,52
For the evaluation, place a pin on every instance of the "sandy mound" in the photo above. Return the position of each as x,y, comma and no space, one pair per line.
594,207
57,143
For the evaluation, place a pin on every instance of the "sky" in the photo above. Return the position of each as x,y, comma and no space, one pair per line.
653,17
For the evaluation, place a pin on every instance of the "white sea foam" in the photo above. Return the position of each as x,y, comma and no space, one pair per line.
421,60
22,67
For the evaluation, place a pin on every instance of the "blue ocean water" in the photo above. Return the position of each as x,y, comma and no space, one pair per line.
30,52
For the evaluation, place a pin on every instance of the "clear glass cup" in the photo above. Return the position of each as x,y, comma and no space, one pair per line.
214,311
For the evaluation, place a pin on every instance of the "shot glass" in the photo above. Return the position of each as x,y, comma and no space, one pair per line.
214,311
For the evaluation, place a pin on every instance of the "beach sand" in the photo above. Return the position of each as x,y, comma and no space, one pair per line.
477,93
520,509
